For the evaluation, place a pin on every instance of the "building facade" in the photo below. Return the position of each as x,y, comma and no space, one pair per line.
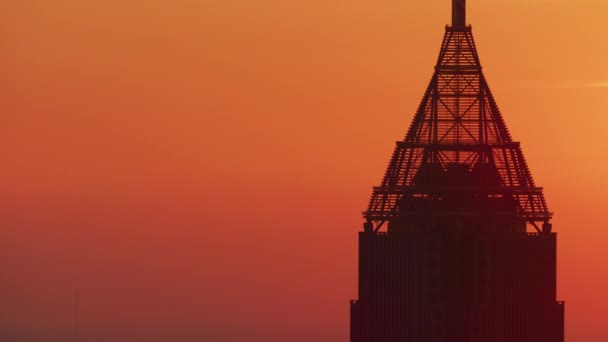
458,243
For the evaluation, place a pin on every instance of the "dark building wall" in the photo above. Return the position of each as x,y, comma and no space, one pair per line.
454,284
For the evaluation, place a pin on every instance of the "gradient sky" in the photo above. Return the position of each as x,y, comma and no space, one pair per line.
198,168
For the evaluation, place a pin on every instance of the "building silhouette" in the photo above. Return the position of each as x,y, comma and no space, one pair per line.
457,244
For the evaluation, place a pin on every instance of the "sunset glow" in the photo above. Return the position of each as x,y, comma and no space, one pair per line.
199,168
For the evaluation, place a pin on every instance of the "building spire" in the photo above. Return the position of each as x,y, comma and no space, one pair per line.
458,147
459,13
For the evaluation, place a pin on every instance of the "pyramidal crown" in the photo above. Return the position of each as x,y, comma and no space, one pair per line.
458,160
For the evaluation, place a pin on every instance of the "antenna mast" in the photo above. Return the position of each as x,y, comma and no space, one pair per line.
459,13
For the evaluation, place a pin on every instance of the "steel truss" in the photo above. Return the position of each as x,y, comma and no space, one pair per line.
458,158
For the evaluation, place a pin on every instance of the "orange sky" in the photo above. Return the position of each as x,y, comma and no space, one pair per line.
201,166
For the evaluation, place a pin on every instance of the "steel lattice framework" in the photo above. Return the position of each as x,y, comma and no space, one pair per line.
458,149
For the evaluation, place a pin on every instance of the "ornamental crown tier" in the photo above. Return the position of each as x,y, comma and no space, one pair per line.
458,159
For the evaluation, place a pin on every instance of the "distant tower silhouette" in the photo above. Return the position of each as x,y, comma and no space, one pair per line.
445,254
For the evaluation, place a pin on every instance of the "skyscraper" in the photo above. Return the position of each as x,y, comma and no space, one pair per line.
458,243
